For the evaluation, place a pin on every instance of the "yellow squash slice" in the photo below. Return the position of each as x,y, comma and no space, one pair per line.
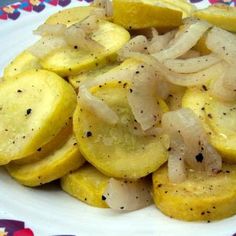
53,166
199,197
116,150
86,184
219,120
23,62
70,16
57,142
141,14
180,5
70,61
220,15
33,109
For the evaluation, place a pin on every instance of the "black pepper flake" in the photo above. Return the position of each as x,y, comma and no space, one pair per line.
227,171
85,199
75,144
122,208
28,111
39,149
169,149
131,90
88,134
137,72
199,157
203,108
210,116
75,47
124,85
203,213
6,130
166,191
103,198
204,87
19,91
159,185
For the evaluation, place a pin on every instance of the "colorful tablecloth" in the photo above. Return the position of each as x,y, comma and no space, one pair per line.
12,9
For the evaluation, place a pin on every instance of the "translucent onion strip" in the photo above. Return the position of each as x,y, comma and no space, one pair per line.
159,42
50,30
223,43
187,80
105,4
136,44
143,97
96,105
218,90
124,195
191,65
46,45
198,153
184,42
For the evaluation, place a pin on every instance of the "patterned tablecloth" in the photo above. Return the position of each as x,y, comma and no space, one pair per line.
13,9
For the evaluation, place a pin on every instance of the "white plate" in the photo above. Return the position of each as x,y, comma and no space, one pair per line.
49,211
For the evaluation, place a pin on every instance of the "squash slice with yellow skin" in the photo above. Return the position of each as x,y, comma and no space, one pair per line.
53,166
115,149
69,61
86,184
34,108
199,197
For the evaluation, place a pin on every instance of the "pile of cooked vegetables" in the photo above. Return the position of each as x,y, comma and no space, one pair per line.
128,102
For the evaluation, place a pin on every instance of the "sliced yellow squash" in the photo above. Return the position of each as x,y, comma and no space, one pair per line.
116,150
57,142
69,61
218,120
76,80
141,14
23,62
86,184
53,166
33,109
220,15
70,16
199,197
180,5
